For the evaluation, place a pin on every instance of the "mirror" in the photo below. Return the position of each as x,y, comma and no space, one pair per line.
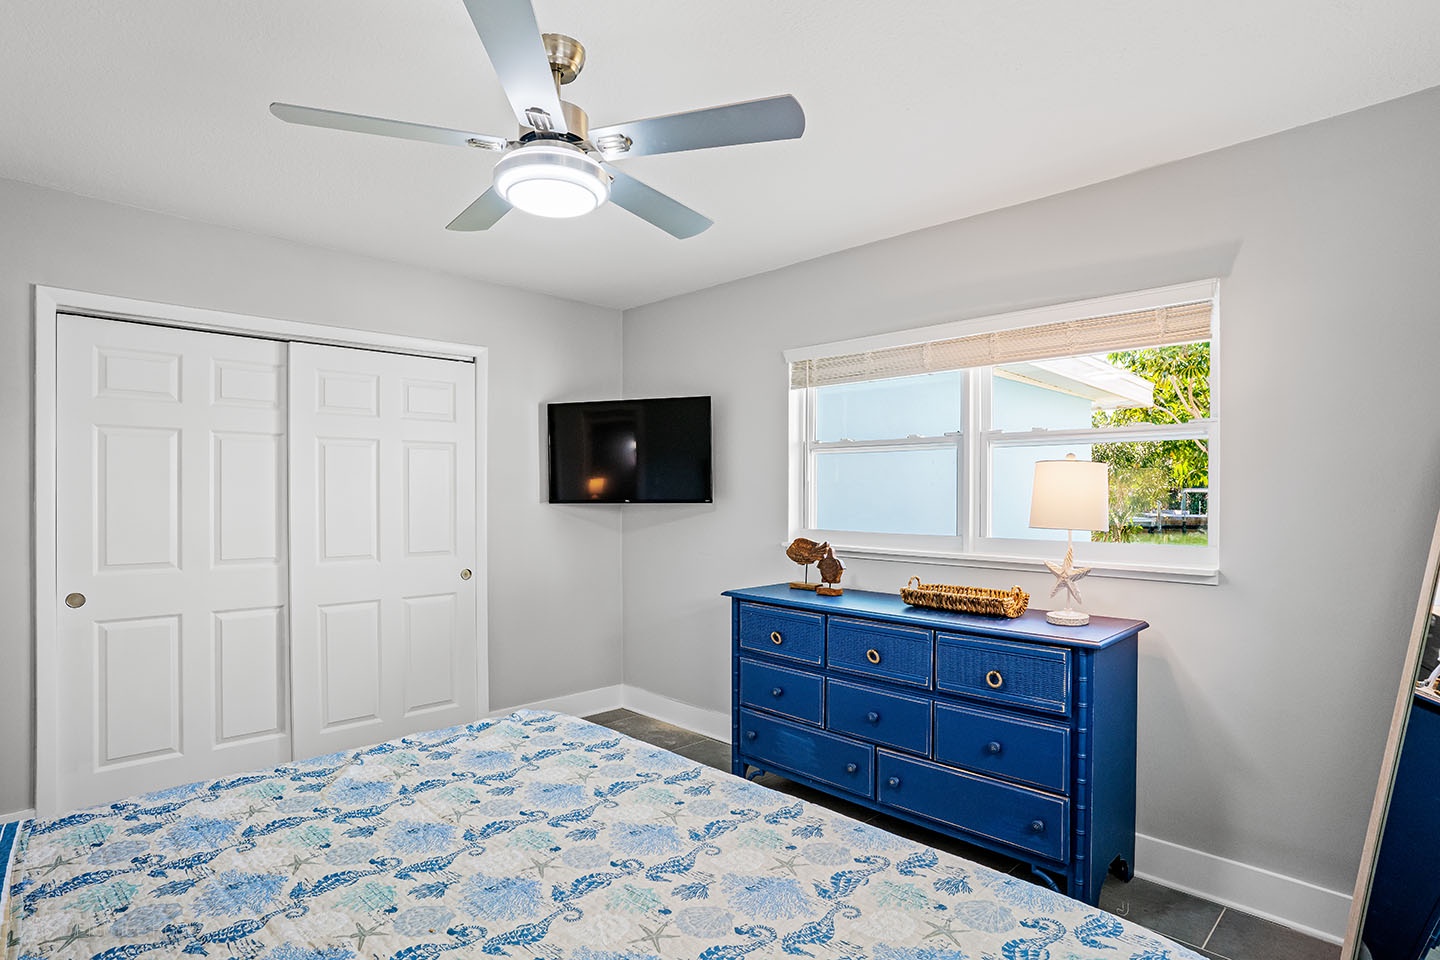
1395,913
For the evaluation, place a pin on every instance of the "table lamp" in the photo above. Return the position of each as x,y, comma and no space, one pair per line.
1070,495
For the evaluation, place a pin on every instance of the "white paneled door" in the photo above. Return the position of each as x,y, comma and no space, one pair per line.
382,491
263,551
171,557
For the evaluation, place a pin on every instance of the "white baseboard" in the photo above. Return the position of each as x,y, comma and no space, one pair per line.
712,723
17,815
1294,903
1297,904
580,704
584,703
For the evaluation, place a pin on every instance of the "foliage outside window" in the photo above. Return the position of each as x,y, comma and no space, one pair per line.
928,447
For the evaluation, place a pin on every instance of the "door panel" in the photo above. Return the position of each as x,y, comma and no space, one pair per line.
383,455
171,523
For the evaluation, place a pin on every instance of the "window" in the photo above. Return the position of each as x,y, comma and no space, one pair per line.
924,443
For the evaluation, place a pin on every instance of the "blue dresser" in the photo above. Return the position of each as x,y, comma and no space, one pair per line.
1014,735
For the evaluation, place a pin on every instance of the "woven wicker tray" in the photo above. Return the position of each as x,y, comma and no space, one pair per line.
981,600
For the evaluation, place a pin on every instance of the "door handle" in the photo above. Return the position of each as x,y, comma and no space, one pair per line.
75,600
465,574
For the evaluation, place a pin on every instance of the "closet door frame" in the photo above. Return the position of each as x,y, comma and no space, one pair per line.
49,302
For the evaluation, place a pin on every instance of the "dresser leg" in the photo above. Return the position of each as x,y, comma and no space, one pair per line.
1122,868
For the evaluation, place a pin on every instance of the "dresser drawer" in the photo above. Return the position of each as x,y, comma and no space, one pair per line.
1030,751
782,633
1024,674
889,718
790,692
820,756
900,654
1027,819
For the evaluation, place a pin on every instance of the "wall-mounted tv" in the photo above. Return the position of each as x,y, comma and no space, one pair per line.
630,451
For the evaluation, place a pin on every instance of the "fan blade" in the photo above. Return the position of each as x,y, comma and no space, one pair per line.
359,123
482,214
652,206
511,37
754,121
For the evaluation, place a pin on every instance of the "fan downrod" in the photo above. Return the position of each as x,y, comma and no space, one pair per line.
567,56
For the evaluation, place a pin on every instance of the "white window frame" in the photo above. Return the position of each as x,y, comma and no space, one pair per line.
975,442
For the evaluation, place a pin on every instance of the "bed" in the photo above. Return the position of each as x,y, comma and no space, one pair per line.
532,835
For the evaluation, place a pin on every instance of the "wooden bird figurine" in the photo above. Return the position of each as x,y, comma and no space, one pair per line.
831,569
806,552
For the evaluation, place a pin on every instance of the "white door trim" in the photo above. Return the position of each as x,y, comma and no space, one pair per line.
52,301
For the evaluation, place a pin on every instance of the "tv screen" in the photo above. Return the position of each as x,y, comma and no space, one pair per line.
630,451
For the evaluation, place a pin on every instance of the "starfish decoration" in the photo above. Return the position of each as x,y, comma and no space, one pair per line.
76,933
653,937
297,863
786,863
1066,573
57,863
541,866
942,930
362,932
251,810
673,815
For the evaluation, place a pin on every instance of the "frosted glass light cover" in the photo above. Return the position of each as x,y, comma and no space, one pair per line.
551,180
1071,494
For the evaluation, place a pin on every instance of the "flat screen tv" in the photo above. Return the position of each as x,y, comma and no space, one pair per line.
630,451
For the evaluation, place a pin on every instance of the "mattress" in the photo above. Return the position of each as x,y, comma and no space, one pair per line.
533,835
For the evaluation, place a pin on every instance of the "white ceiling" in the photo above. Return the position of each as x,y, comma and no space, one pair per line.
918,112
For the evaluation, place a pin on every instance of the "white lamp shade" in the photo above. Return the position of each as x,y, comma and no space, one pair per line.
1071,494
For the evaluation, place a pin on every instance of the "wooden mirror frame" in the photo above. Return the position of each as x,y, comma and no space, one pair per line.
1409,673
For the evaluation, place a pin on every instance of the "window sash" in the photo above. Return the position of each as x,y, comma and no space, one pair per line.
973,544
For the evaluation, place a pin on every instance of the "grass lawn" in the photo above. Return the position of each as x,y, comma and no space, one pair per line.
1195,538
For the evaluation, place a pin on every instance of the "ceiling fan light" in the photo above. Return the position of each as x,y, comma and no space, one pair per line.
551,179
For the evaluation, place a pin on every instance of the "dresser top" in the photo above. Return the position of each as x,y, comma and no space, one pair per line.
1031,625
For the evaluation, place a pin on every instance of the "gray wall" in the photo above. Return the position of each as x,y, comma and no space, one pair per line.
1264,701
541,349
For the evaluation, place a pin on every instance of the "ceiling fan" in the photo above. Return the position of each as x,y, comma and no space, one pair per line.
558,165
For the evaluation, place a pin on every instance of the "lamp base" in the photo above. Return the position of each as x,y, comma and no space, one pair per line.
1067,618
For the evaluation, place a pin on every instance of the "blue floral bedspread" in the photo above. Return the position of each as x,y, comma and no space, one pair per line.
534,835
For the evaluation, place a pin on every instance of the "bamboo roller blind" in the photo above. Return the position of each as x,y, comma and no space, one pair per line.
1177,323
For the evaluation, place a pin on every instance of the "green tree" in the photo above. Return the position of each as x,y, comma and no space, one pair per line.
1150,474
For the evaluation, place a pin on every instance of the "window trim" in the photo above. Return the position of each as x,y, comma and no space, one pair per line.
973,547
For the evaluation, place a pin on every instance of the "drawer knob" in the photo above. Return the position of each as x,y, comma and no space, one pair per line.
777,691
872,655
993,680
851,767
893,783
751,734
993,746
873,717
775,637
1037,826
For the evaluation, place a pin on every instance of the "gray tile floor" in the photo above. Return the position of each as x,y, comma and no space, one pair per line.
1208,928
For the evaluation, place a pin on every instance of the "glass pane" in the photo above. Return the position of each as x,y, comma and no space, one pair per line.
1149,385
887,491
1158,491
927,405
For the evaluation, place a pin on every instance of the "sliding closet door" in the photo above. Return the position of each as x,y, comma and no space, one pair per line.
382,488
171,547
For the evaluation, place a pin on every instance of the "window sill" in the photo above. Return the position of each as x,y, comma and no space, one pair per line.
1170,573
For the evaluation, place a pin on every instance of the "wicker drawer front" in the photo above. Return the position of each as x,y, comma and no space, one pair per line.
781,690
899,654
1028,819
1023,674
782,633
1016,748
838,761
889,718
